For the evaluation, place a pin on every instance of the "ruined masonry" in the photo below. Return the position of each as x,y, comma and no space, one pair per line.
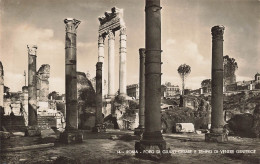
109,24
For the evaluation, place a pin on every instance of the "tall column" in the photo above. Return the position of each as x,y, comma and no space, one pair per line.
32,86
24,103
122,62
152,136
99,103
1,85
111,64
217,133
101,56
140,128
71,134
1,94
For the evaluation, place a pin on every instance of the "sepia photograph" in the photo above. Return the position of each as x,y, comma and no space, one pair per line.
129,81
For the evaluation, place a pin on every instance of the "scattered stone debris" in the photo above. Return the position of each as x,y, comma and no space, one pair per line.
5,135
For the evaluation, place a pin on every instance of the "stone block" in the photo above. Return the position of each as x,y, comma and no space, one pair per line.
185,127
99,129
32,131
138,131
216,137
4,135
70,137
152,150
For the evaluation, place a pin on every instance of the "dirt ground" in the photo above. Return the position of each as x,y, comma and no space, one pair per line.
98,148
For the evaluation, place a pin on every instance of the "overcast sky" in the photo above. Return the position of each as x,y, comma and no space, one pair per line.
186,37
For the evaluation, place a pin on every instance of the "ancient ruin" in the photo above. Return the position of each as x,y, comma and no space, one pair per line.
140,128
43,76
1,93
109,24
152,137
217,133
71,133
99,103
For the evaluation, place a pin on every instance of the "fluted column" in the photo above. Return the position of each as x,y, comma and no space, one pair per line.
32,86
217,118
101,56
122,62
111,64
71,73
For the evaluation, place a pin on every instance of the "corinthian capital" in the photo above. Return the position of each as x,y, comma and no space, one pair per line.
101,39
111,35
123,31
71,25
32,49
217,32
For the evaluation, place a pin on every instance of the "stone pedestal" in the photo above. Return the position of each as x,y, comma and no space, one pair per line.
216,137
70,137
71,133
32,131
152,150
99,128
217,132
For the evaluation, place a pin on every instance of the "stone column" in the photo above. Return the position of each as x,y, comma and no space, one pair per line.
99,103
24,102
111,64
32,129
140,128
217,133
152,136
101,56
71,134
1,94
1,85
32,86
122,62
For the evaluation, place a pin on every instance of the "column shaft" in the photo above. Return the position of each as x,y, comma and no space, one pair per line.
71,74
142,88
99,103
32,86
111,64
122,62
153,71
217,117
101,56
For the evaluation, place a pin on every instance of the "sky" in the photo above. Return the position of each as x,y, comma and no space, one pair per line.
186,37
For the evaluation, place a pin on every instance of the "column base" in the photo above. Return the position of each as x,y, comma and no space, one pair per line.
99,128
70,137
139,131
157,151
32,131
216,137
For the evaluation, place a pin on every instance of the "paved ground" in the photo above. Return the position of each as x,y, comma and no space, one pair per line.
105,150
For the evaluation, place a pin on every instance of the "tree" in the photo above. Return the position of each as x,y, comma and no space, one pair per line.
184,70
